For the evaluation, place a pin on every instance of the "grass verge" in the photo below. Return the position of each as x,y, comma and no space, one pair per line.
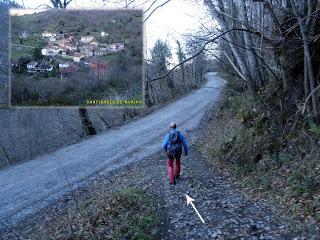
126,214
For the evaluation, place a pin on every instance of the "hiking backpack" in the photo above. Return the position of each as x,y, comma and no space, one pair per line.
175,147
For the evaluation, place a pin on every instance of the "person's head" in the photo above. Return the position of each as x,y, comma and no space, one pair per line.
173,125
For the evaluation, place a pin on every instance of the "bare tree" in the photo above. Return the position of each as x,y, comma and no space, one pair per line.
305,22
60,3
181,57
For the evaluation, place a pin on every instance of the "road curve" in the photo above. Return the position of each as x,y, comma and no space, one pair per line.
32,182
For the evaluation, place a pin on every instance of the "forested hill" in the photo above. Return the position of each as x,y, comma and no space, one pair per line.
120,25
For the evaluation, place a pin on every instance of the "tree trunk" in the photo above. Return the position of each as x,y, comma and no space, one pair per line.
308,67
252,59
238,58
87,126
308,62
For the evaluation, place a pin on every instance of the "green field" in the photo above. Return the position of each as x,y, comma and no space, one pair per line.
24,52
107,58
34,40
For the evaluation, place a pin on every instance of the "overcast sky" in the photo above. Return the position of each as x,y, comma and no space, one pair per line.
169,22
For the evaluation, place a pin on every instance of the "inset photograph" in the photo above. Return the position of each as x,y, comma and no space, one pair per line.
76,58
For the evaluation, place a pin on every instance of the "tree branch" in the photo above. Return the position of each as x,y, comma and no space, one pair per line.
200,51
307,99
155,9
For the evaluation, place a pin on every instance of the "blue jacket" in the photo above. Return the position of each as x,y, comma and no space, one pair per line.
184,143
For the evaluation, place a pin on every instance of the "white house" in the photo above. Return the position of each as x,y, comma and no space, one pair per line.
31,66
50,51
104,34
116,47
24,34
101,52
94,43
46,34
52,39
44,52
64,65
86,39
71,47
77,57
35,67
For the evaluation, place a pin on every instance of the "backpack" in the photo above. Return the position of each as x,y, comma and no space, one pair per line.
175,147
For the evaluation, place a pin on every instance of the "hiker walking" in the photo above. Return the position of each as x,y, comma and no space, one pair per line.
172,144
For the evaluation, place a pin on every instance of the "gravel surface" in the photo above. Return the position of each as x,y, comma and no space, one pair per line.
43,179
228,213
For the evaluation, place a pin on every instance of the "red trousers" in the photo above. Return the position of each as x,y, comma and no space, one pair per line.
173,174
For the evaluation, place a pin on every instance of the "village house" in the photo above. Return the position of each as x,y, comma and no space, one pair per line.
77,57
44,68
95,43
50,50
46,34
101,52
71,38
88,50
24,34
35,67
116,47
104,34
71,47
65,51
31,66
86,39
64,41
15,63
64,65
52,39
88,53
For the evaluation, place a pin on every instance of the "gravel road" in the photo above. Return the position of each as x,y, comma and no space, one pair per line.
31,185
131,156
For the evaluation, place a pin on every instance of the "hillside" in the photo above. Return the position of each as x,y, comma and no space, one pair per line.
122,24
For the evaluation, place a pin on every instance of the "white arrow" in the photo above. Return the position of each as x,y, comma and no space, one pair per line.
190,200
